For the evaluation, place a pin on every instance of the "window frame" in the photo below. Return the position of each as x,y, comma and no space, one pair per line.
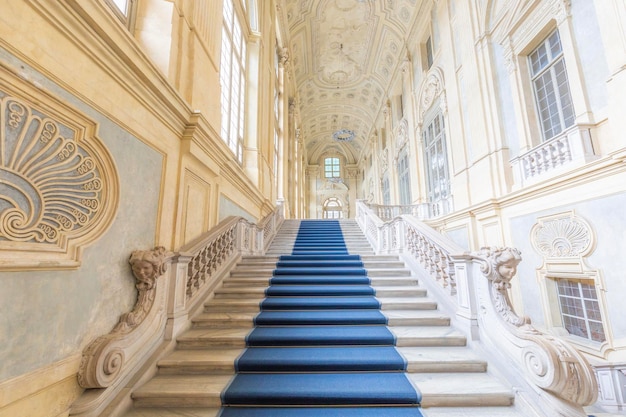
404,177
438,189
233,100
546,72
337,209
128,16
334,165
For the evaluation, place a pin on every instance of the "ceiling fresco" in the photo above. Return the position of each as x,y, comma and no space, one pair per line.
344,54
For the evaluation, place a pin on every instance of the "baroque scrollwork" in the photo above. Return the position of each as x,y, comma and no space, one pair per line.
57,184
104,358
499,265
550,363
562,236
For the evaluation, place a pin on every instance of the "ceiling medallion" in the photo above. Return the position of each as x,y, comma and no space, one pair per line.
343,135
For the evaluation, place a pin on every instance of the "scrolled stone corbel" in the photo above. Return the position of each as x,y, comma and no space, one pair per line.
550,363
104,358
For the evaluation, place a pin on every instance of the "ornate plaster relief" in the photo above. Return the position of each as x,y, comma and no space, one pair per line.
59,187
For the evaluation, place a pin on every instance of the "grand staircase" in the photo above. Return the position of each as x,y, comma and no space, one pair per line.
292,362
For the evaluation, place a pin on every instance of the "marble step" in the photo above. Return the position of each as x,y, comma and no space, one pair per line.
221,320
201,338
253,304
173,412
473,411
438,390
221,361
381,291
470,389
388,272
270,264
254,280
182,391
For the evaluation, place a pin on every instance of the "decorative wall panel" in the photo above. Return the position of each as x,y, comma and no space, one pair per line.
58,183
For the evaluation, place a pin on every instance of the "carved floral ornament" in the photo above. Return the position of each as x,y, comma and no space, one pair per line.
58,190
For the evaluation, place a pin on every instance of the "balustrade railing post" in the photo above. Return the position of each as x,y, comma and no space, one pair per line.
177,314
467,310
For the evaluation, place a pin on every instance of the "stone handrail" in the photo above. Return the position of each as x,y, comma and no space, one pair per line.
422,211
476,285
408,235
171,288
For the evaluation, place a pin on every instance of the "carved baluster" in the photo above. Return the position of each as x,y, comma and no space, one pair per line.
451,274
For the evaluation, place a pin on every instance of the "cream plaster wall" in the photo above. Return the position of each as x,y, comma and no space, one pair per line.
155,100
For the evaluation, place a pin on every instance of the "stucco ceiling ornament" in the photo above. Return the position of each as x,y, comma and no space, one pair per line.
343,135
59,186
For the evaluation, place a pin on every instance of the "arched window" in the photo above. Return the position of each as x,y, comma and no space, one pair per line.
332,209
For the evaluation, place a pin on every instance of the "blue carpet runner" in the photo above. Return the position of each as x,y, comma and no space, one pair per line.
320,346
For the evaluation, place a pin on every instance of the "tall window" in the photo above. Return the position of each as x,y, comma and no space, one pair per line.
404,178
276,110
552,94
232,80
429,53
386,191
434,137
332,169
580,309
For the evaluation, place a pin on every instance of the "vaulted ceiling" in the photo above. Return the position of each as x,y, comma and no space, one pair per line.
344,54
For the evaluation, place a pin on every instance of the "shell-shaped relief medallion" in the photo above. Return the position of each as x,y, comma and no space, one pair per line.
58,190
562,236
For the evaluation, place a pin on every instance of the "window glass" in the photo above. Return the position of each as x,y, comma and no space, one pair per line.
404,178
232,80
551,87
434,139
332,168
580,309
